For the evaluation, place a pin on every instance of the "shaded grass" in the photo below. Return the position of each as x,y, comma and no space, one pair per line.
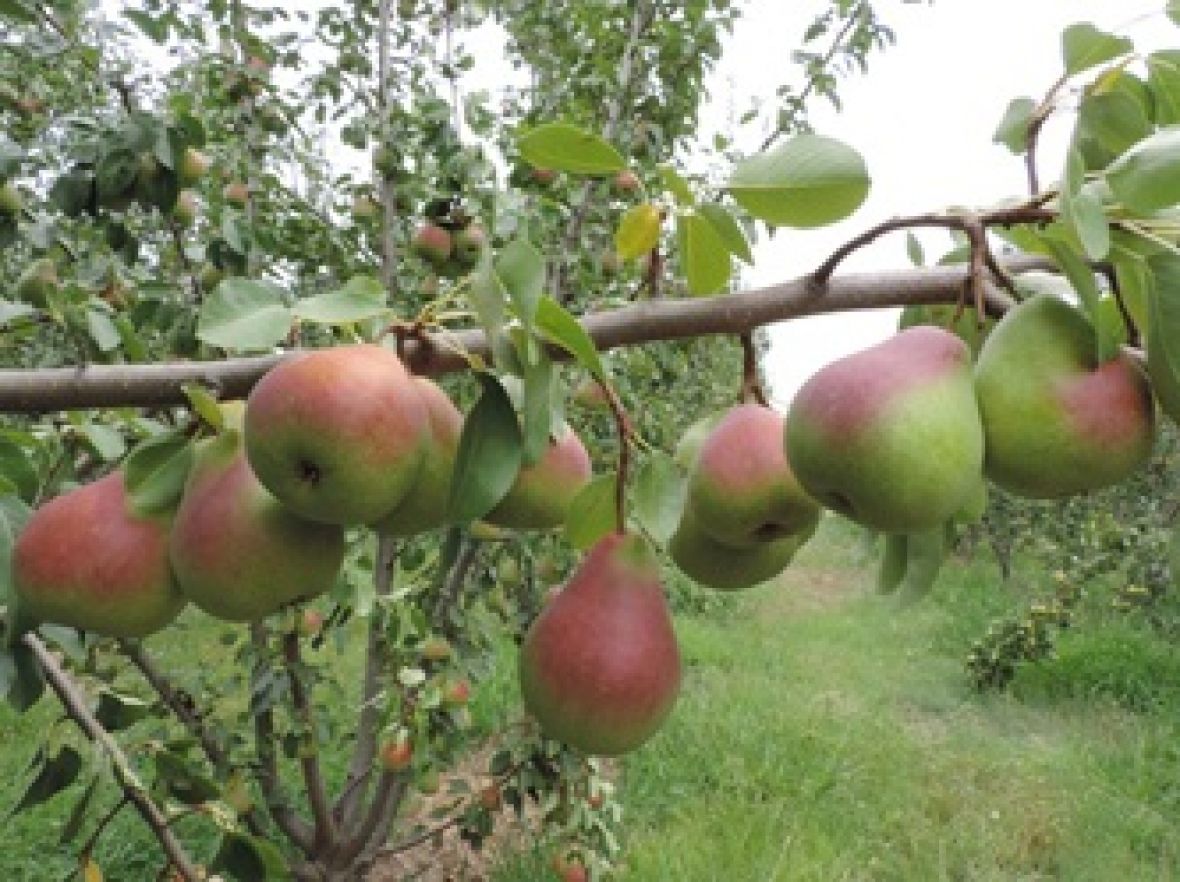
824,734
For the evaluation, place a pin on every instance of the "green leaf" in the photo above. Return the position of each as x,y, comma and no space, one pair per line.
563,147
17,10
249,859
1080,276
16,466
489,454
244,315
535,414
893,563
660,490
1173,11
808,181
155,472
1114,119
638,232
522,270
54,775
1012,131
488,298
204,404
727,229
73,824
107,442
913,249
13,516
1134,280
703,255
592,514
1163,336
925,553
1163,78
1111,329
183,780
20,671
1083,46
10,311
101,327
677,186
1084,214
120,711
556,324
1147,177
362,297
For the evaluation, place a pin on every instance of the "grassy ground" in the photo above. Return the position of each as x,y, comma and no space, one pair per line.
823,734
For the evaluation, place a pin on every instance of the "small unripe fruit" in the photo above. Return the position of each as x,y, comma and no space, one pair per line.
589,394
457,693
364,208
311,622
491,798
29,106
10,200
626,181
508,571
569,869
544,176
432,242
469,244
429,782
210,277
193,166
236,193
610,262
396,755
595,801
436,649
185,209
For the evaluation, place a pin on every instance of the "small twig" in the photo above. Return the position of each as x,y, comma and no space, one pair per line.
751,385
1035,124
309,762
77,707
88,847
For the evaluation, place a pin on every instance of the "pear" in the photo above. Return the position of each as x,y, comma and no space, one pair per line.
87,560
541,494
338,435
237,553
707,561
1057,422
890,437
741,490
599,667
425,505
965,324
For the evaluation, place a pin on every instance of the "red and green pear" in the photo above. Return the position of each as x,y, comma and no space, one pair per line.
599,667
890,437
185,209
338,435
237,552
963,323
705,560
193,166
469,244
425,505
541,494
1057,421
741,490
87,560
433,243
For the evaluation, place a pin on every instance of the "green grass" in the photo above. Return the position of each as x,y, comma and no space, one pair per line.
824,734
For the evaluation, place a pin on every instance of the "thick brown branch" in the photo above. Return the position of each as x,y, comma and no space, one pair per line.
77,706
157,385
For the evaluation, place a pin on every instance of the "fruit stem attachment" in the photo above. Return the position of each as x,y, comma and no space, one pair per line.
751,385
626,433
77,707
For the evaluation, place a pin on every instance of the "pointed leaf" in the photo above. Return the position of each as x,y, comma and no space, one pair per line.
592,514
204,404
248,859
489,454
522,271
891,571
73,824
913,249
361,298
1084,214
25,683
660,490
107,442
563,147
1080,276
538,394
677,186
727,229
155,472
1084,46
244,315
55,775
703,255
925,553
808,181
1115,120
1147,177
1012,131
638,232
1163,78
558,326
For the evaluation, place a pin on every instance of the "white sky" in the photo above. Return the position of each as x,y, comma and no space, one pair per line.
923,118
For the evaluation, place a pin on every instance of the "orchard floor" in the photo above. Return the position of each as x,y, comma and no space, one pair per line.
825,734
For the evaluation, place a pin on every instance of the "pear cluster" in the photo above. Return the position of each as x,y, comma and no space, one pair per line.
327,439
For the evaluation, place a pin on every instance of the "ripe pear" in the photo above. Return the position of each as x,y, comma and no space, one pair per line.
193,166
86,560
725,568
741,490
599,667
1058,422
433,243
890,437
237,553
425,505
338,435
541,494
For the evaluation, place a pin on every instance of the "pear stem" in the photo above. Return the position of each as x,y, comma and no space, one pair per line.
751,384
626,433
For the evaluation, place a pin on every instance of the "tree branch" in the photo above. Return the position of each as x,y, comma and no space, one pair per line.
363,754
285,817
157,385
309,761
77,706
